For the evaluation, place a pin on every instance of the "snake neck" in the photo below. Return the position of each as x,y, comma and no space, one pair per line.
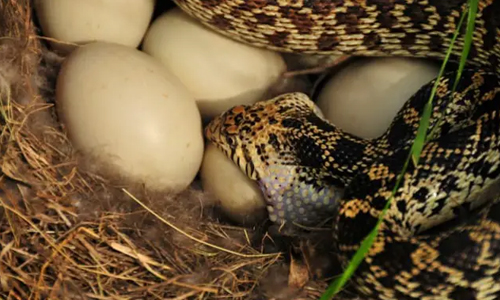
321,145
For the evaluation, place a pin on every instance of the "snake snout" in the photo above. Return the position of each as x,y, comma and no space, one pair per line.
226,124
224,130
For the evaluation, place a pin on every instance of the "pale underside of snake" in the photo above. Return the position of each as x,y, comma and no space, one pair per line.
441,236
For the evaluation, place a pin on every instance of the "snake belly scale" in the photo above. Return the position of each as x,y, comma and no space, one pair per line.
441,236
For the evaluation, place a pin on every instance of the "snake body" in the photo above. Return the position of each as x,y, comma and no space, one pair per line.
440,238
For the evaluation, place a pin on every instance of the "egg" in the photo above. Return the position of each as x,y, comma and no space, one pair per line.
121,106
238,196
219,72
79,22
364,97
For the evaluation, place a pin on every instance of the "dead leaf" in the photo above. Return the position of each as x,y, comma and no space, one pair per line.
298,276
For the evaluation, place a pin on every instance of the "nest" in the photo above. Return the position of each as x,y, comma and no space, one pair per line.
66,233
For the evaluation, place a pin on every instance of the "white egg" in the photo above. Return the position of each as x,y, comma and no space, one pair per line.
218,71
122,106
119,21
364,97
239,197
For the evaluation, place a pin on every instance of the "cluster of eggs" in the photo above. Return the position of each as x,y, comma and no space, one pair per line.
135,91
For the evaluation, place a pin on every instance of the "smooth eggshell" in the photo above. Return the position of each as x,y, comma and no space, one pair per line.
239,197
219,71
119,21
365,96
121,105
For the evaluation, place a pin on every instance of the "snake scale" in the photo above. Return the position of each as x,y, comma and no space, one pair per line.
440,238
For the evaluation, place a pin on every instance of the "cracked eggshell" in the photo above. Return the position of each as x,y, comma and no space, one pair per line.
119,21
239,197
120,105
364,97
219,71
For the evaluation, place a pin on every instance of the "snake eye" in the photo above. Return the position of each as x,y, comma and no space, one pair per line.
238,118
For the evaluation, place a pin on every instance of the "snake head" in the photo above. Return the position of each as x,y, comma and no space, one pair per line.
253,136
259,138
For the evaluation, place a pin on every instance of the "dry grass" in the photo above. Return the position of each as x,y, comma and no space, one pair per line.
68,234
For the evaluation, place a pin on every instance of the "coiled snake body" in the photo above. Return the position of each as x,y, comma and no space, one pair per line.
441,236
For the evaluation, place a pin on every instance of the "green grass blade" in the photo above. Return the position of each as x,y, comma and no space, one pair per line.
365,246
415,151
472,12
471,23
420,139
358,257
421,136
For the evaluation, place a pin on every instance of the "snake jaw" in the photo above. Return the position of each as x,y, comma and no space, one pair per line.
297,199
255,138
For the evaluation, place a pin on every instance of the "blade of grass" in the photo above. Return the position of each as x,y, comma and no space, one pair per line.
472,12
363,248
471,23
421,137
415,151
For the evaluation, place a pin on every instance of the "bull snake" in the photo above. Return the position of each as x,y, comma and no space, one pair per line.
441,236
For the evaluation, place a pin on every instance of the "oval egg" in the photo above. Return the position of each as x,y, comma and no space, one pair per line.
119,21
219,72
239,197
364,96
123,107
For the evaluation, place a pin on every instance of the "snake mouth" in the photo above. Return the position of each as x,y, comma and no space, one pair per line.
212,130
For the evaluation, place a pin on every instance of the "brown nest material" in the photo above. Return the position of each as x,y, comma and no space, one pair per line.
68,234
